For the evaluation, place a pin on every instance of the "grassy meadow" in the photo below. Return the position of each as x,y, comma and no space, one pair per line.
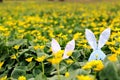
27,30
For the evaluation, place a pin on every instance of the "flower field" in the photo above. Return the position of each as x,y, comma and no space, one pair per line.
47,41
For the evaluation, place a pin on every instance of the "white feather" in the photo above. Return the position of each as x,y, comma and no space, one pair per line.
91,39
55,46
69,47
103,38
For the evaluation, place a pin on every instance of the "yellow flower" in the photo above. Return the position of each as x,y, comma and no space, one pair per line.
97,65
29,59
55,60
87,66
77,35
117,51
1,64
21,31
36,47
69,61
113,57
51,34
67,74
22,78
14,56
42,47
112,49
61,26
7,33
3,78
40,59
58,54
82,77
16,47
70,31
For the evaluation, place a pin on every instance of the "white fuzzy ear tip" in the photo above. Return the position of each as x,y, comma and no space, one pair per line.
53,39
73,41
108,29
86,30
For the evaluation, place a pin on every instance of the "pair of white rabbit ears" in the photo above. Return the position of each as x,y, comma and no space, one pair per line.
69,47
102,39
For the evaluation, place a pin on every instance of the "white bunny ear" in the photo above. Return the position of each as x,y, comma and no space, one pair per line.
69,48
103,38
55,46
91,39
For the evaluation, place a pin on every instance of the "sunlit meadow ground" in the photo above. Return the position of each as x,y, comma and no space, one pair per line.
27,29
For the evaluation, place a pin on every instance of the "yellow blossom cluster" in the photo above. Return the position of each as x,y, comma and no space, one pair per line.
22,78
113,57
57,57
82,77
96,65
40,59
3,78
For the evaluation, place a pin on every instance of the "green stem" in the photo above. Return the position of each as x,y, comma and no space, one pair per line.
73,59
43,67
17,56
58,72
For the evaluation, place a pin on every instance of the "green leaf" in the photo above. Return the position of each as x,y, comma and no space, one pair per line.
76,54
18,72
40,77
109,72
17,41
36,71
56,77
30,66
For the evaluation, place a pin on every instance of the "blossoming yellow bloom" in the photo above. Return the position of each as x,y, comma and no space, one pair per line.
61,26
112,49
51,34
21,31
7,33
67,74
97,65
77,35
113,57
36,47
55,60
16,47
117,51
14,56
69,61
1,64
70,31
40,59
3,78
42,47
58,54
82,77
21,78
29,59
87,66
